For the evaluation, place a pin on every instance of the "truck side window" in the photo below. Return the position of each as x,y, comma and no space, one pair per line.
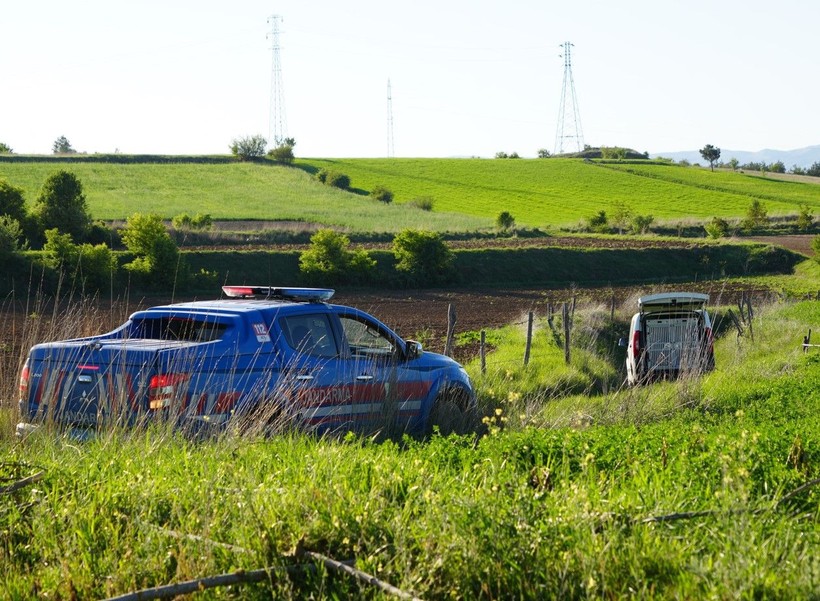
310,334
364,339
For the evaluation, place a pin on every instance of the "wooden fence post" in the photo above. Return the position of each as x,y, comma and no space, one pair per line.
482,351
567,327
451,328
529,339
807,341
750,313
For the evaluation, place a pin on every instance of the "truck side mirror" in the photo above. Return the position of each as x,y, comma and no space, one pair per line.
414,349
622,342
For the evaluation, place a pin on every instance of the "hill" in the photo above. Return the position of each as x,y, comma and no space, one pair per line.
467,194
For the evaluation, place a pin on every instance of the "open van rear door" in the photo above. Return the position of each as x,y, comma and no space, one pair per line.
671,301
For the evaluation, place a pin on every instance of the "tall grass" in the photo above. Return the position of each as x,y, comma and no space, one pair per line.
685,489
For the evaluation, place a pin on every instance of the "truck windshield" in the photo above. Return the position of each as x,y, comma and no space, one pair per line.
177,328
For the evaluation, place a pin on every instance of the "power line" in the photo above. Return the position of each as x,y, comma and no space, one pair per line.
390,149
568,129
278,124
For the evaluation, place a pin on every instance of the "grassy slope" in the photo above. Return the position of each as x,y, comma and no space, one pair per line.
537,192
559,192
228,191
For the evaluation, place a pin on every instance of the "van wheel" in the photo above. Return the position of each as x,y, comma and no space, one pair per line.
452,412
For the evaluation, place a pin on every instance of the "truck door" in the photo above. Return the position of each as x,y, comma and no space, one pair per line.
316,380
387,393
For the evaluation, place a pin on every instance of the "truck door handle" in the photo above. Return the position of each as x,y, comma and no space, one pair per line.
364,378
304,378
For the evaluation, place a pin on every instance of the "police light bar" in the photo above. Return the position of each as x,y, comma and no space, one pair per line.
312,295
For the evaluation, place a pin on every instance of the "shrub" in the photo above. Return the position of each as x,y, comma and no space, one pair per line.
329,260
425,203
717,228
91,266
60,250
5,149
333,178
543,153
249,147
62,205
382,194
98,264
815,244
505,221
283,153
10,235
597,223
202,221
157,256
181,221
338,180
12,203
641,223
423,256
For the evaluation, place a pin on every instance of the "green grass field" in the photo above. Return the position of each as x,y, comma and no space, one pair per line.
558,192
467,194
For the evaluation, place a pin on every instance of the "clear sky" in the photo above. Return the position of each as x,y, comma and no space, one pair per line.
469,78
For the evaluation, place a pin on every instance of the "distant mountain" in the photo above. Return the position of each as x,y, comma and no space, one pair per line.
802,157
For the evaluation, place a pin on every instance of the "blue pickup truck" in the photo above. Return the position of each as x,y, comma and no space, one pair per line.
256,359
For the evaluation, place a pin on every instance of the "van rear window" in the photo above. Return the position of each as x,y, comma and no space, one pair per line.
177,328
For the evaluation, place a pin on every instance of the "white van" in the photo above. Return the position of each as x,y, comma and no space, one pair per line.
671,334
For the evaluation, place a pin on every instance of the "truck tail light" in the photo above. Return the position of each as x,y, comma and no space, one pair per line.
636,344
163,388
24,379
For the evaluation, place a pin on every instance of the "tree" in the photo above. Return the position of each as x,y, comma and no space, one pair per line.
621,216
62,205
382,194
814,170
733,163
329,259
505,221
5,149
543,153
12,202
10,235
598,222
710,153
805,219
777,167
756,216
156,255
423,256
248,148
62,146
